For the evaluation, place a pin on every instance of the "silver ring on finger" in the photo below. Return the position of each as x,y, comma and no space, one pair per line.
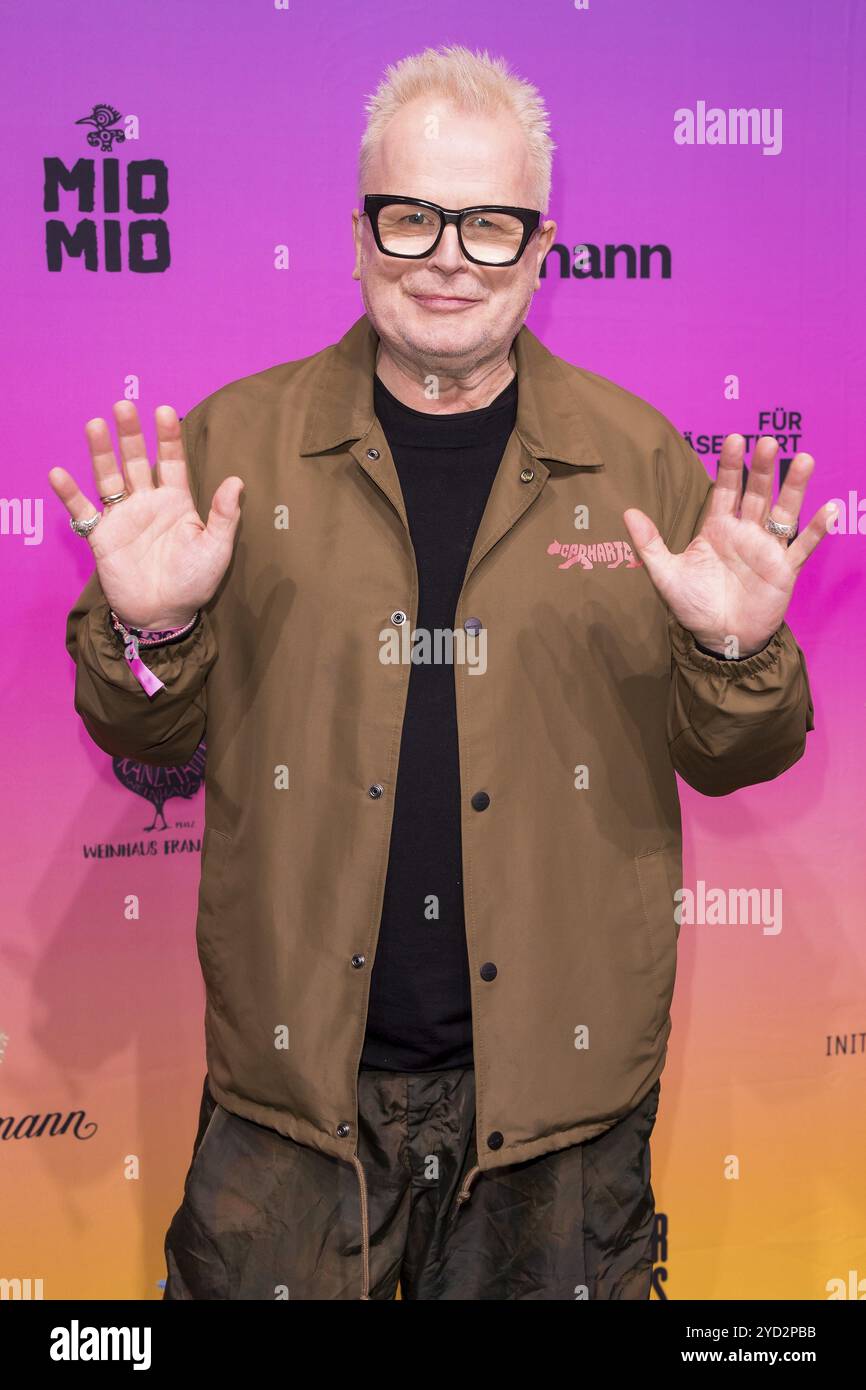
786,529
84,528
115,497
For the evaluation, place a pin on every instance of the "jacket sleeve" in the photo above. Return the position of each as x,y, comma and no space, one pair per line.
730,723
119,716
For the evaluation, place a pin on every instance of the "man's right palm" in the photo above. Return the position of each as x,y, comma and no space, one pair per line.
156,559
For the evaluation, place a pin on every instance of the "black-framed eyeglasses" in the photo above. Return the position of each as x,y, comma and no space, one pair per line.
411,228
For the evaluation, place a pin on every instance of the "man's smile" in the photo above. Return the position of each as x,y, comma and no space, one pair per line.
445,303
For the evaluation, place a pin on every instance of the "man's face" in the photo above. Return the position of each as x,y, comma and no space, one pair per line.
443,312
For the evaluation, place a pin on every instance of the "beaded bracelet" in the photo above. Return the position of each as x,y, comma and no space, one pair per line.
135,637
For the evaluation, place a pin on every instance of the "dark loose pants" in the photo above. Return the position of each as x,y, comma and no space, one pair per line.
264,1217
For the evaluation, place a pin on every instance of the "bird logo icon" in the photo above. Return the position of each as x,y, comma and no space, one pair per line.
102,118
161,784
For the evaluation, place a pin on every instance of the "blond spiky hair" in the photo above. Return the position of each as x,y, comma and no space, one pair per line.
473,82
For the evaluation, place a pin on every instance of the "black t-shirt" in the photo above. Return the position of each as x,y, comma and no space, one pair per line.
420,1012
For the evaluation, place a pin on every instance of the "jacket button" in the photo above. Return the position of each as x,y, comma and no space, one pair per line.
480,801
398,617
527,474
372,453
495,1140
488,971
376,789
473,626
344,1130
358,962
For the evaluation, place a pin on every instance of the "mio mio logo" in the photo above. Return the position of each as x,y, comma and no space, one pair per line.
611,554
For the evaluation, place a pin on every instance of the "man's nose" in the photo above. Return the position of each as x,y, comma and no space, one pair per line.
448,254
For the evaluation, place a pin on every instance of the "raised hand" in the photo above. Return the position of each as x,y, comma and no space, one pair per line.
732,584
157,561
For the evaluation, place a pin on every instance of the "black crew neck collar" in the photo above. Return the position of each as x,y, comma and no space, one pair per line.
455,429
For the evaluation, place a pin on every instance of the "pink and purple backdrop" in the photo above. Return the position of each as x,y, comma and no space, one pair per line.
257,111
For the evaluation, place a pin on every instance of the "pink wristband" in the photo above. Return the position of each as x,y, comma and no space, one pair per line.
135,637
143,674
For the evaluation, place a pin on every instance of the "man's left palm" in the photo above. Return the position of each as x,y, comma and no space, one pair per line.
732,585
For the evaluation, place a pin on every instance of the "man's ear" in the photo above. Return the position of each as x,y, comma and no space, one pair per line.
545,241
356,233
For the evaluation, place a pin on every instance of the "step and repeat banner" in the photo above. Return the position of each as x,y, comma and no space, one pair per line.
177,214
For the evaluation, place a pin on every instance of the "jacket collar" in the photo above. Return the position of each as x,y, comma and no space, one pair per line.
549,420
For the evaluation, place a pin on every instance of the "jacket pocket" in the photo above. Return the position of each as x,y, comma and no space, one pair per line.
656,873
215,851
216,855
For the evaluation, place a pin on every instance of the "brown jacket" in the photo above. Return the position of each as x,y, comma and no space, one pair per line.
568,877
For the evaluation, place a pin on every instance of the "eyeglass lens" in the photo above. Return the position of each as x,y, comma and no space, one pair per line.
493,237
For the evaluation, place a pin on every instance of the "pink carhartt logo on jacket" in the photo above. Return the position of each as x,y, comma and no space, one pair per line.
611,554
